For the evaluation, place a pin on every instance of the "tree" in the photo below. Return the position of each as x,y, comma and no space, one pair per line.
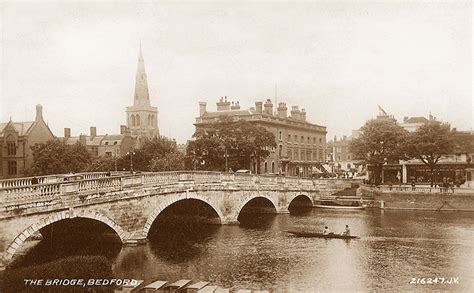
229,143
380,141
56,157
430,143
153,150
169,162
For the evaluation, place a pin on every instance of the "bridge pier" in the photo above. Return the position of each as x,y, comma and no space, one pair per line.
129,205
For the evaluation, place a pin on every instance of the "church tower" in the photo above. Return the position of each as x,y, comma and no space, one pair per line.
142,118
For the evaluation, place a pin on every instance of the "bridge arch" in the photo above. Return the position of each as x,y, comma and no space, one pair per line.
175,199
292,197
25,234
247,200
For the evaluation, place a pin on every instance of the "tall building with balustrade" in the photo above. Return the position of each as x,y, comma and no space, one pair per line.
300,144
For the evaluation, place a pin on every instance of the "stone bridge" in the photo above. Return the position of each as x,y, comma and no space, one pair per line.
129,204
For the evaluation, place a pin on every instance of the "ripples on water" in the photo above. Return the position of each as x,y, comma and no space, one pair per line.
395,246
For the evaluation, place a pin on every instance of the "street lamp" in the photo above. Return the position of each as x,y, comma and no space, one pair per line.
226,156
131,160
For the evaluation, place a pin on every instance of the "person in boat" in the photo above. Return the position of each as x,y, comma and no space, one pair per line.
326,231
347,231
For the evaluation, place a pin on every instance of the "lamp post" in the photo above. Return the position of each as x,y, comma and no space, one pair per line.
226,156
131,160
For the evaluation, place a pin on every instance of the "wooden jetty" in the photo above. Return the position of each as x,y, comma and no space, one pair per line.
181,286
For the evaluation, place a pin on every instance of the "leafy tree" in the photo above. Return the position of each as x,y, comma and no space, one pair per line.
152,150
56,157
430,143
239,141
169,162
380,141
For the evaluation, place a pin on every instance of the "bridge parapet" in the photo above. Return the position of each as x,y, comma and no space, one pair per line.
101,184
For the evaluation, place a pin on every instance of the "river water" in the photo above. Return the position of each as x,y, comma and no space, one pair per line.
394,248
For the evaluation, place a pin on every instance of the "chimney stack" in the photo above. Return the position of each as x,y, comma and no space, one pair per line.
67,133
202,108
282,110
258,107
295,113
39,112
223,104
303,115
268,107
93,131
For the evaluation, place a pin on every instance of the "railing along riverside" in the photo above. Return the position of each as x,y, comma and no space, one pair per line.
416,189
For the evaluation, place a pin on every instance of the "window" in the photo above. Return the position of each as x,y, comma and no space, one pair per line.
115,143
266,167
289,137
314,140
349,157
320,140
296,138
296,153
302,155
281,137
280,149
273,167
11,148
288,153
308,155
12,167
348,165
309,139
302,139
106,143
338,158
108,154
338,149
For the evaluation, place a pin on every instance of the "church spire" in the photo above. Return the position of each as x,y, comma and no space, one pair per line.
142,97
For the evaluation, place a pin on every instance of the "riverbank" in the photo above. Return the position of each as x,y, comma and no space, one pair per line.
407,199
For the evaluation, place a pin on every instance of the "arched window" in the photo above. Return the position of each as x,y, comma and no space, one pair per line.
133,120
265,167
138,120
273,167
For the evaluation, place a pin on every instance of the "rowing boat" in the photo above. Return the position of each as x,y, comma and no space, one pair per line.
321,235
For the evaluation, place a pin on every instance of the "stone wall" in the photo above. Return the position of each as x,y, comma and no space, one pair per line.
462,200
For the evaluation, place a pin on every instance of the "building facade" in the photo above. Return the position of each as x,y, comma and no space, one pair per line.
142,118
114,145
301,145
16,140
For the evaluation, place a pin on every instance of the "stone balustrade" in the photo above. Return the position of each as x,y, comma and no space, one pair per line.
14,192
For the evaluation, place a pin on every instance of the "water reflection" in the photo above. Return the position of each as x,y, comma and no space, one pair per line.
395,246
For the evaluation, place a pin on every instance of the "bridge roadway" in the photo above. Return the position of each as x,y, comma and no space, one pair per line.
129,204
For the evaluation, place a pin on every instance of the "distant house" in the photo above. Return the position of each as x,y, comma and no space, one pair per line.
114,145
16,140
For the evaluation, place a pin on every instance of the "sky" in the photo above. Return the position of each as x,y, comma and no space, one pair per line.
338,60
